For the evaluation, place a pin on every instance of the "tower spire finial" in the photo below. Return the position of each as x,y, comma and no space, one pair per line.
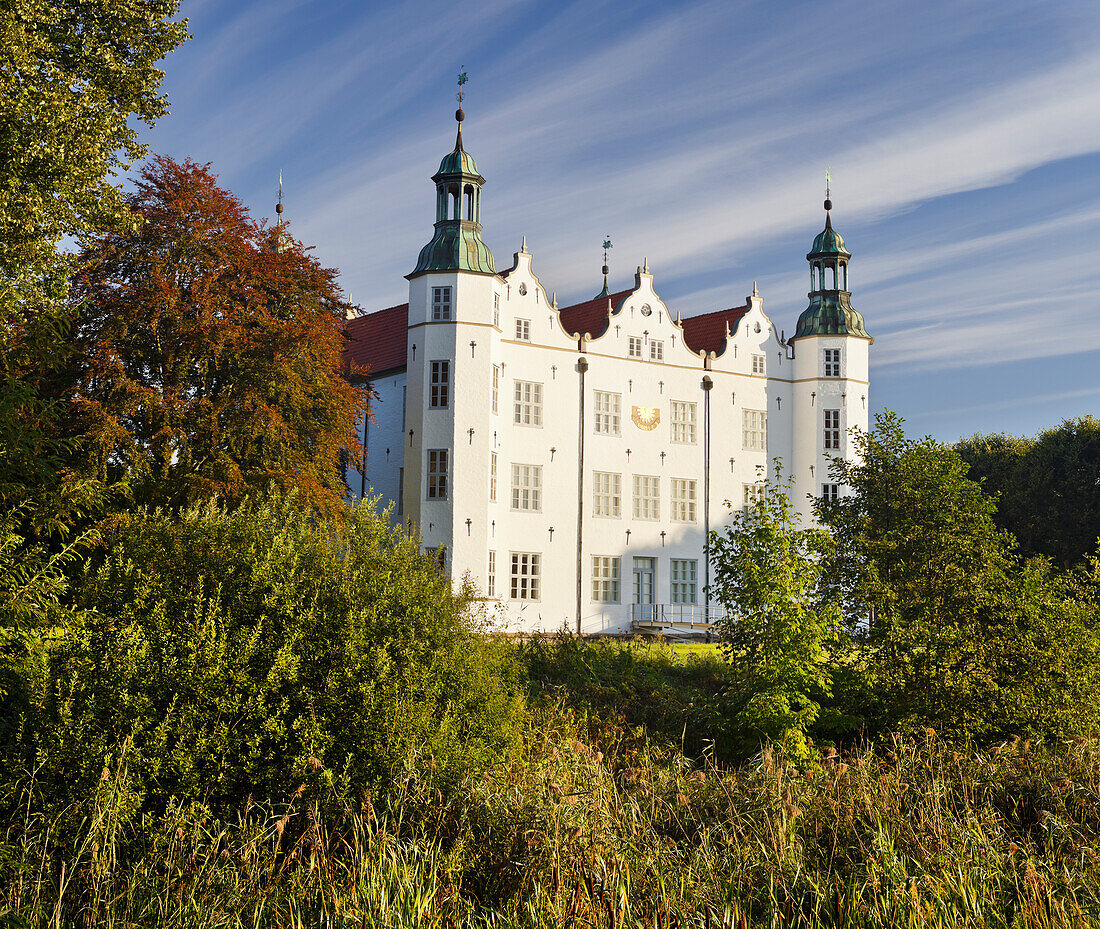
279,204
459,114
828,182
607,246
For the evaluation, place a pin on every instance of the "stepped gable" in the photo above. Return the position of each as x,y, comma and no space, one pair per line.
591,316
378,341
707,333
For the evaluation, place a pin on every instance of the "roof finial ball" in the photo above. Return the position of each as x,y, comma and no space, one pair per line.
828,181
462,79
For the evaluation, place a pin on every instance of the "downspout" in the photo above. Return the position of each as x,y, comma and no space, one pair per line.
707,385
582,367
366,429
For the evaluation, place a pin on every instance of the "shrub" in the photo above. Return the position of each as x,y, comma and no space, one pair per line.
243,653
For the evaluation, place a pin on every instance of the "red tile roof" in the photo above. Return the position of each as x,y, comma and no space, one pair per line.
591,315
379,341
708,332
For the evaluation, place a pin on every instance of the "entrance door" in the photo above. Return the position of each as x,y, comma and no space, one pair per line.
645,570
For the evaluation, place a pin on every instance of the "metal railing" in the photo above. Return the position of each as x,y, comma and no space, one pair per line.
692,615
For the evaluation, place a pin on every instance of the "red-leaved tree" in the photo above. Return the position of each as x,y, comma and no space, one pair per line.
209,352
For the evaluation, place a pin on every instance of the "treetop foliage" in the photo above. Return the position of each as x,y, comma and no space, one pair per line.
209,351
1047,487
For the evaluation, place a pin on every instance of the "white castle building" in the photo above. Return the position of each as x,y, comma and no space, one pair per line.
571,460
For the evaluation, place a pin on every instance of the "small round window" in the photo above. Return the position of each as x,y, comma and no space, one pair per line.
646,309
523,291
758,327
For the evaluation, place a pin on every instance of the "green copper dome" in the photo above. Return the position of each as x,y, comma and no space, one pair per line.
828,243
830,313
456,246
458,162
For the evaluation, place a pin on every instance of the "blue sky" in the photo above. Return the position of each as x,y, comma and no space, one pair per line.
963,140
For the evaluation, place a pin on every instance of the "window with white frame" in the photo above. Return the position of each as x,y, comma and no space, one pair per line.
752,494
437,474
440,387
832,429
647,496
441,303
754,429
683,500
830,493
832,362
496,310
526,575
527,404
605,578
607,494
523,330
491,585
634,346
758,364
683,421
495,396
656,350
527,488
608,412
683,576
492,477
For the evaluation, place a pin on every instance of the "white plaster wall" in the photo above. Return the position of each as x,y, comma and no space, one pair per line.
551,358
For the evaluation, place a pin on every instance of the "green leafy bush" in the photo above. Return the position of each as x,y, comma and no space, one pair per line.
243,653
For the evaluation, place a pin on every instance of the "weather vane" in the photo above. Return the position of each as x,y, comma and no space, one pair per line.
607,246
828,181
462,79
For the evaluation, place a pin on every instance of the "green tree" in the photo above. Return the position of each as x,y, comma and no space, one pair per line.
960,634
768,573
1047,488
210,352
73,76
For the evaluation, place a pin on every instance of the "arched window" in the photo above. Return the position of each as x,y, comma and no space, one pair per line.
830,276
456,203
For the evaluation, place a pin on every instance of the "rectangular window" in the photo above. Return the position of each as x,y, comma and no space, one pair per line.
751,494
647,497
607,494
832,429
492,477
527,488
440,390
496,310
526,575
527,404
496,389
523,330
605,579
608,412
683,500
754,429
830,493
683,422
634,347
441,303
832,362
491,585
758,364
437,474
683,577
656,350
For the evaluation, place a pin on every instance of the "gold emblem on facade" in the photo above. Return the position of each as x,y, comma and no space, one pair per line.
645,417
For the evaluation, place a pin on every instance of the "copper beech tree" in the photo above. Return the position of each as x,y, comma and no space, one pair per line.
209,352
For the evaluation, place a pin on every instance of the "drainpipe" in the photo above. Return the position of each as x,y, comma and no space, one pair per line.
366,427
707,385
582,367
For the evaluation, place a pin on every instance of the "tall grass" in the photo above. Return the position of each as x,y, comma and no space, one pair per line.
912,834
